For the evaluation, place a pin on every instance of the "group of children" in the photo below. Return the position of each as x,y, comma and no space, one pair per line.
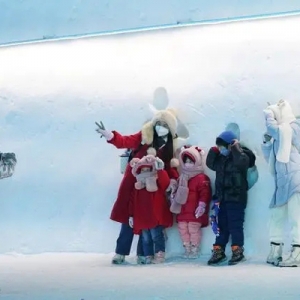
150,213
152,210
156,185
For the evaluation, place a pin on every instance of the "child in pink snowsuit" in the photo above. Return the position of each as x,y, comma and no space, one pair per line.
192,198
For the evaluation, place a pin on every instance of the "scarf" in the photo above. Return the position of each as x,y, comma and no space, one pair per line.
284,117
183,190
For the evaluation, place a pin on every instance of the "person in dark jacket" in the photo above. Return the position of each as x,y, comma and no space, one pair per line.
230,161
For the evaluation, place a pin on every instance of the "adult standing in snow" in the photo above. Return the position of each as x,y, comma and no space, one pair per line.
159,133
230,161
281,149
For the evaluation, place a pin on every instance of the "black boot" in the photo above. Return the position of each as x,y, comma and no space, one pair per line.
237,255
218,256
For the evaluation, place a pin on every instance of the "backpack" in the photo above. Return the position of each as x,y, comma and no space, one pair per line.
127,156
252,173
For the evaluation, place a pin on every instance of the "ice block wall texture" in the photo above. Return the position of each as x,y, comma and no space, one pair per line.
51,93
36,19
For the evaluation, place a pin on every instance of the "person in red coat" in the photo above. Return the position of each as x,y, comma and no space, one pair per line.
159,133
191,200
149,210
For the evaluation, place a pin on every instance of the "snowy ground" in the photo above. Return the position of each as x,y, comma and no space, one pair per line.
91,277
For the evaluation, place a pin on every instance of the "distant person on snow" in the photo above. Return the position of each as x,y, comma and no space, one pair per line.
159,133
281,149
149,211
230,161
192,198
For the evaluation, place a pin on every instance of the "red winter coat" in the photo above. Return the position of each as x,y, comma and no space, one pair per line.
199,190
150,209
120,210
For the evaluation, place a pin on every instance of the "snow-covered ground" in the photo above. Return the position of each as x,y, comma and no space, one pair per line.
92,277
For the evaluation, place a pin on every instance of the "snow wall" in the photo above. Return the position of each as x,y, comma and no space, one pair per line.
37,19
51,93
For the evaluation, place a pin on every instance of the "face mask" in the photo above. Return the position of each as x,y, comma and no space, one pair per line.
161,131
224,151
189,164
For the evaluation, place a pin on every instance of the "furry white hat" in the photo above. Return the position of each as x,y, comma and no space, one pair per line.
283,112
169,117
284,116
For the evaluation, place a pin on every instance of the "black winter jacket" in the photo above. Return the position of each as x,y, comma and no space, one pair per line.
231,183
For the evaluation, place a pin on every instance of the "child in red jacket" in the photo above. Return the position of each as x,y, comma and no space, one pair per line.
192,198
149,209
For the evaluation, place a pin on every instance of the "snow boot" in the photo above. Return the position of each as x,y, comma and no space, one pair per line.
194,252
159,258
140,259
237,255
294,259
275,255
118,259
187,250
148,260
218,256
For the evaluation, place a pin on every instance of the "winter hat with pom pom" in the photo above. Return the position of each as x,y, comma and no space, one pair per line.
151,151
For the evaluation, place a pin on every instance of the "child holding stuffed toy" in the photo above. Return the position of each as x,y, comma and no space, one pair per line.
192,198
149,210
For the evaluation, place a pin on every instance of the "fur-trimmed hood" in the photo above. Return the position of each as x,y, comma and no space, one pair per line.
167,116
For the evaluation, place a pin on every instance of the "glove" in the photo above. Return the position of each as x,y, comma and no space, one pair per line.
214,225
234,142
106,133
268,113
266,138
215,149
130,221
172,186
159,164
200,210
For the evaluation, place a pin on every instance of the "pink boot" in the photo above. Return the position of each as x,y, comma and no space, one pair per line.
187,250
159,258
194,252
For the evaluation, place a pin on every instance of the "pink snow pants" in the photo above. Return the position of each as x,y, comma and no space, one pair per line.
190,232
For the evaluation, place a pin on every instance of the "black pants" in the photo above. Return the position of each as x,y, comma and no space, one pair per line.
125,239
231,223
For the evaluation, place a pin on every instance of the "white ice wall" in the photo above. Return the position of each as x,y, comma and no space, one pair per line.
51,93
37,19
